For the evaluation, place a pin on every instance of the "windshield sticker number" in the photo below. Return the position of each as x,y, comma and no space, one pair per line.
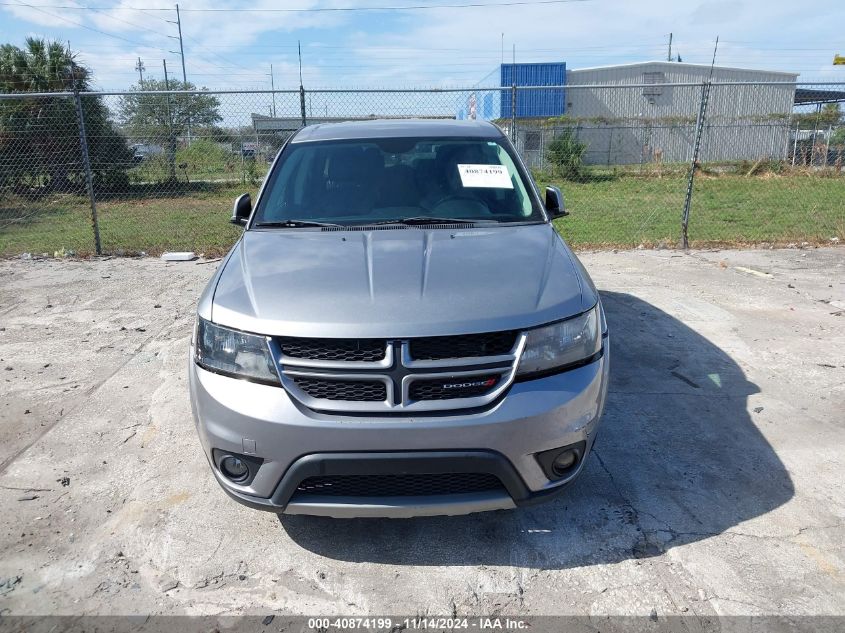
488,176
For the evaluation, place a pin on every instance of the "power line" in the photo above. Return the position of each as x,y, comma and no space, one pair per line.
80,25
111,17
412,7
100,10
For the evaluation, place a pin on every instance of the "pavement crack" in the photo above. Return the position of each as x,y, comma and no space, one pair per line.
27,489
645,546
734,601
81,401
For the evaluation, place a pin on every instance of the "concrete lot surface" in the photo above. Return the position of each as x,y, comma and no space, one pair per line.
716,487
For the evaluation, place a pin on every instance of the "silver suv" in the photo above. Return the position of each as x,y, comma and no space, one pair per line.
399,331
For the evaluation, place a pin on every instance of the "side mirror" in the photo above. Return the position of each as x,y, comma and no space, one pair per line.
554,203
242,209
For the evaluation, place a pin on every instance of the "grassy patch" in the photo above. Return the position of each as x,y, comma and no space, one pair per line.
196,220
726,209
608,210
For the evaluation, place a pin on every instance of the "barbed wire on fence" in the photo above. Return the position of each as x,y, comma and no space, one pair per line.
155,170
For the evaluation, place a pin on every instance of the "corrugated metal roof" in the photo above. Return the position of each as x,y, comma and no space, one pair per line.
806,96
680,66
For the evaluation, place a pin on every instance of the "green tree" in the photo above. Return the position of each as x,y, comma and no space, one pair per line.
150,116
830,115
565,154
163,118
39,136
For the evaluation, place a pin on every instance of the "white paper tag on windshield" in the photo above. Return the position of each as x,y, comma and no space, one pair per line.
490,176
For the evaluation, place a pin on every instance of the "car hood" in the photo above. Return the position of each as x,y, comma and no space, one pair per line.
399,283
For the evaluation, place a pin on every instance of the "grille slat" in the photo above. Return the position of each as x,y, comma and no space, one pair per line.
398,485
347,390
362,371
361,350
462,346
449,388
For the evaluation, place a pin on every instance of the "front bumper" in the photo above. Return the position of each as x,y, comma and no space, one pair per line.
293,441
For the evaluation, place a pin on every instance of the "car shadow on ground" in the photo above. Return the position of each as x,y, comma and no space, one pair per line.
678,459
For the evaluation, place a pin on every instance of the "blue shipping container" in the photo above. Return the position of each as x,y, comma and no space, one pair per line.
534,103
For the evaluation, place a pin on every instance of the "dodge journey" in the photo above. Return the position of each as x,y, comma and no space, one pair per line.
399,330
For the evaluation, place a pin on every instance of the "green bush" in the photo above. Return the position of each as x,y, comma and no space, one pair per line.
204,157
565,155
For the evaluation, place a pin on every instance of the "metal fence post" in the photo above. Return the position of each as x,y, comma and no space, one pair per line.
89,178
513,114
302,104
699,128
171,150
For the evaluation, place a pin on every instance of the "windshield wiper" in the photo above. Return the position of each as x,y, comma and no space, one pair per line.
422,220
293,224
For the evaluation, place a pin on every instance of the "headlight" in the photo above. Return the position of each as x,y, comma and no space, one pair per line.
561,344
234,353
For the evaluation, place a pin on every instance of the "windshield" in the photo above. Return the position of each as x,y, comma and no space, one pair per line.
402,180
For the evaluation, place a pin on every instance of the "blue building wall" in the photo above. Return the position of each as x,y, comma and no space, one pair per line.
534,103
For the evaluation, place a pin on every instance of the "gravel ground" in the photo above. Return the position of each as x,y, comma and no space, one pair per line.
716,487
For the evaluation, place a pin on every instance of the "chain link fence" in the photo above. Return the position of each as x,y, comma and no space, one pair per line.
639,164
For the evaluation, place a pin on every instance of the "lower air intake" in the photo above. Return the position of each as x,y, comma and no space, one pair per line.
405,485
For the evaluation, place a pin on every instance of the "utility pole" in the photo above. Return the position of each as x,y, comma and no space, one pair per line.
140,68
181,54
669,56
273,89
181,46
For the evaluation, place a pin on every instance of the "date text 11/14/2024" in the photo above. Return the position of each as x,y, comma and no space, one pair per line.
417,623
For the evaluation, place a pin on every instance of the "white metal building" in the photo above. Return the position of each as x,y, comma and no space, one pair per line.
648,119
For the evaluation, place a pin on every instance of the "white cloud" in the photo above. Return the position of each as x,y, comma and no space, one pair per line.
42,17
444,47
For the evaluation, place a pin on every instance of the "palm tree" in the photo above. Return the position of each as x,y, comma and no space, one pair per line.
39,136
41,66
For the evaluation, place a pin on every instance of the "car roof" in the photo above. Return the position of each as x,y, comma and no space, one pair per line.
397,128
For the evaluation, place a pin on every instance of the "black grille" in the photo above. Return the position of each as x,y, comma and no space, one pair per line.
406,485
350,390
450,388
365,349
464,346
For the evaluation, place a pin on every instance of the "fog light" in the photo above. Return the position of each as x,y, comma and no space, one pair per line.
564,461
561,462
234,468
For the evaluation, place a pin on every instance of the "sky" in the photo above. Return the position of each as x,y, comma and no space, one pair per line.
232,43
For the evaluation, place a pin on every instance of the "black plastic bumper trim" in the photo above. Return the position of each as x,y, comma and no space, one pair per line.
421,462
